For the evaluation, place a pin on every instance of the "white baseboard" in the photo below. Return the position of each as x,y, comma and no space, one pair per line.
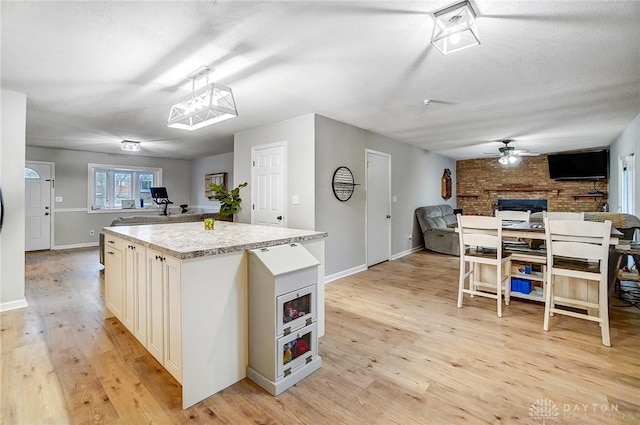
75,245
345,273
407,252
13,305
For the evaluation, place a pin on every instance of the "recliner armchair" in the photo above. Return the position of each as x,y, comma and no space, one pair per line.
438,223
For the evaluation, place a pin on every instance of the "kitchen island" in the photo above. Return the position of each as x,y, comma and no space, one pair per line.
182,292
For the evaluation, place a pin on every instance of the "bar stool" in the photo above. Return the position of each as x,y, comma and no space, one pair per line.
483,237
578,250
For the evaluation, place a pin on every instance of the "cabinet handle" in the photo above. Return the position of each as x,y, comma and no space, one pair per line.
111,241
110,252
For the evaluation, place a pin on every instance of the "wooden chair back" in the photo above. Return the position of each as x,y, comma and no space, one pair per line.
563,215
514,215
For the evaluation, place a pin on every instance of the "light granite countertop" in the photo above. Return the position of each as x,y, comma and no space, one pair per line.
190,240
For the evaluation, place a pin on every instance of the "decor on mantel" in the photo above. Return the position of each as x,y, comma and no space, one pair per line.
207,105
343,184
229,200
445,184
455,28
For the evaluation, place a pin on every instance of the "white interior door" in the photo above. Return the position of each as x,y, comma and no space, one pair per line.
38,205
378,189
267,183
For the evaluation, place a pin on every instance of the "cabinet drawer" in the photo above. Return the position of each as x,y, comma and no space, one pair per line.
296,349
295,310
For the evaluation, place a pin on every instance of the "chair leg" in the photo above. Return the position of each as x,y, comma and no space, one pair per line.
461,280
499,289
507,286
603,300
547,303
473,277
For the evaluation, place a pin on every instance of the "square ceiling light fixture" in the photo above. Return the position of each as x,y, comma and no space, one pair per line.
205,106
455,28
129,146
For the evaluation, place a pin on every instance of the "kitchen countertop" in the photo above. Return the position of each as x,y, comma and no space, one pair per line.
190,240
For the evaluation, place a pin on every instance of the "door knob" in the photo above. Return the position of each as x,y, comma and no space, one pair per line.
46,213
388,216
279,217
46,208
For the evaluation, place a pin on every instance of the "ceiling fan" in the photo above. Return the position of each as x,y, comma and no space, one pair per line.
509,154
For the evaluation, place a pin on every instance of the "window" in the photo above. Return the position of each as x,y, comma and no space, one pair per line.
109,185
31,174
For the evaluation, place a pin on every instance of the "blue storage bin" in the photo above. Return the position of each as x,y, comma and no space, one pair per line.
520,285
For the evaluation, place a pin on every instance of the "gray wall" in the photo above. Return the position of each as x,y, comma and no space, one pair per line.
627,143
338,144
415,181
222,163
298,133
72,222
12,237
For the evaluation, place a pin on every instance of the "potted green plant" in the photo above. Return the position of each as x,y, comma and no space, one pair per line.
229,200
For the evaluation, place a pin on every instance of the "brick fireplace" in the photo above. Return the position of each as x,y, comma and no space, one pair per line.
482,183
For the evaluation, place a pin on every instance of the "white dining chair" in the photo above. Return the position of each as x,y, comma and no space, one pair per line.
562,215
481,246
578,251
523,216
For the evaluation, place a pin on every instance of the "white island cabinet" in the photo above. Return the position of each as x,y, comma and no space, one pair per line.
189,300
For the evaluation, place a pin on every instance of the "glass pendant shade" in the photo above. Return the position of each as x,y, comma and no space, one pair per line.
207,105
455,28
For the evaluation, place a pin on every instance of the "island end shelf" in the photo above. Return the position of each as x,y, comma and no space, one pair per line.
183,293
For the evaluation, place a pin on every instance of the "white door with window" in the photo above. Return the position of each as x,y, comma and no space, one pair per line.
378,190
268,185
38,181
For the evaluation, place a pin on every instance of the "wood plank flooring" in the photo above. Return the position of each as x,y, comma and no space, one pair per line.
396,351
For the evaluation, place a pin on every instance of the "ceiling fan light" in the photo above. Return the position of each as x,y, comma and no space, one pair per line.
504,160
513,159
455,28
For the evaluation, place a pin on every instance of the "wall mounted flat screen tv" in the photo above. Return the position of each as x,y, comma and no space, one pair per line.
592,165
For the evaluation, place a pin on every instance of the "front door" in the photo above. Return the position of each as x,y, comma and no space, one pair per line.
38,205
267,183
378,180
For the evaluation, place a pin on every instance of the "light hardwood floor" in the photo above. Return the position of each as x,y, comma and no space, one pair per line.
396,351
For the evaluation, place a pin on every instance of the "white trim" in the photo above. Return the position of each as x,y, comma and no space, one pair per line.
345,273
367,151
285,184
76,245
13,305
406,252
66,210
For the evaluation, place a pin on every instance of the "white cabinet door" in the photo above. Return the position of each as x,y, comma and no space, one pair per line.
173,318
155,307
114,276
140,295
129,286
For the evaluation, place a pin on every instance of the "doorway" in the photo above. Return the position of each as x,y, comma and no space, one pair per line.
38,184
268,177
378,205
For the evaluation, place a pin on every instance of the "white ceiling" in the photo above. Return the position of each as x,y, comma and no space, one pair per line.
554,75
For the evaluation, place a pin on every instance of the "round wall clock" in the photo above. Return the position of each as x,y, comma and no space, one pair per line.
343,184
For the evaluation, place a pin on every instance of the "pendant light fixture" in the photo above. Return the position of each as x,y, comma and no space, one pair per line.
455,28
207,105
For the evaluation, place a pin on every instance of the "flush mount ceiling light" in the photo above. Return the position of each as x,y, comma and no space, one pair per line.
207,105
455,28
129,146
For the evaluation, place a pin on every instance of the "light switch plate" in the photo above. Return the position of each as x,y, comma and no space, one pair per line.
58,198
295,200
394,199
